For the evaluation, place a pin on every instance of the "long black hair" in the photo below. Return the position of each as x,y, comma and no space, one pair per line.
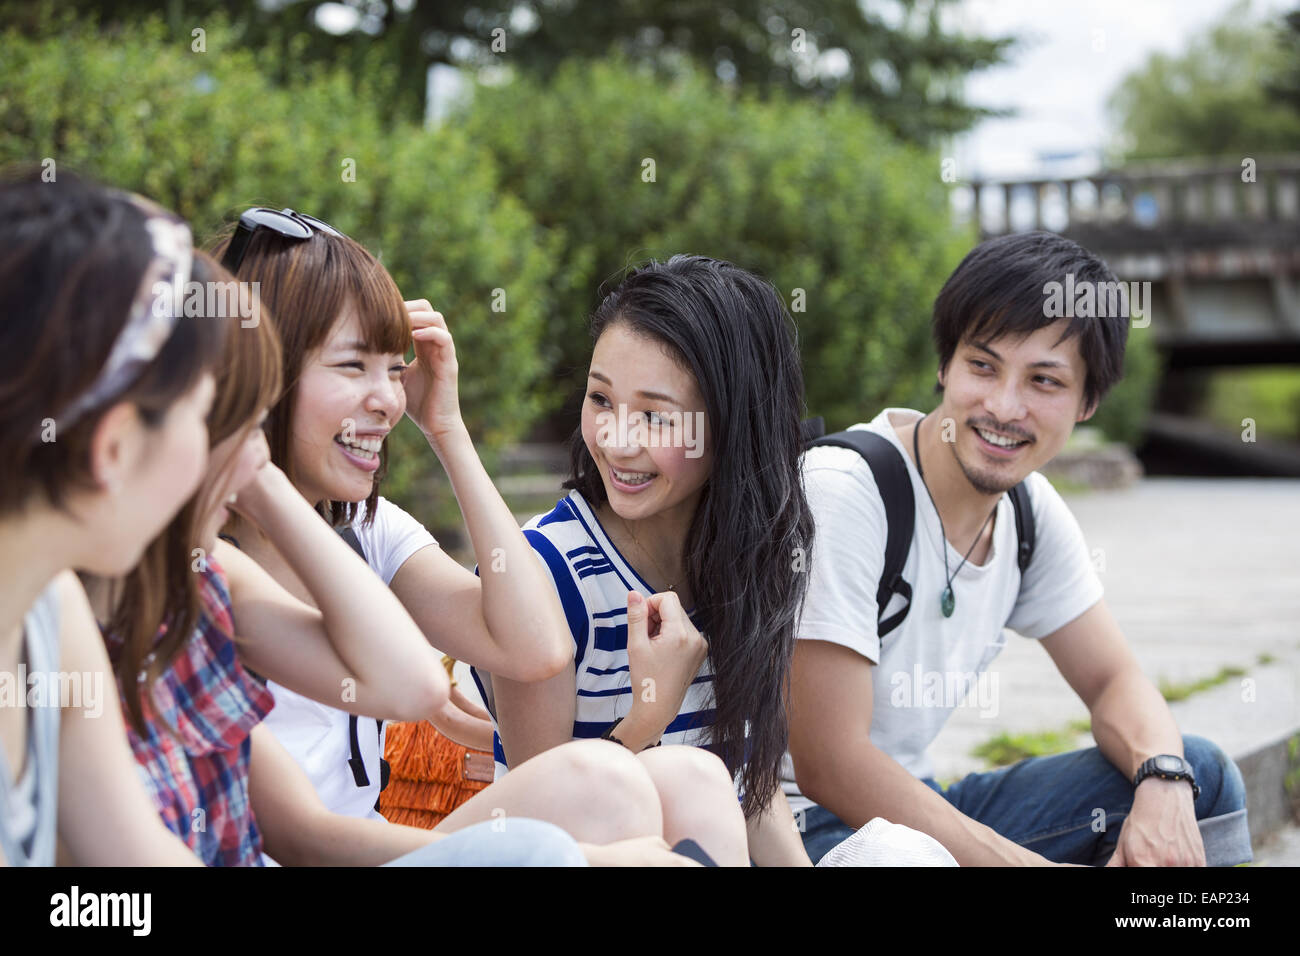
746,553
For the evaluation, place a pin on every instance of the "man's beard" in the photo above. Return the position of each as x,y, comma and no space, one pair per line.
983,483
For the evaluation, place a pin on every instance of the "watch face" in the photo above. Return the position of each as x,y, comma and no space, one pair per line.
1168,764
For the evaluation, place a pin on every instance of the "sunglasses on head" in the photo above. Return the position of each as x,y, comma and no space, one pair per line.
283,222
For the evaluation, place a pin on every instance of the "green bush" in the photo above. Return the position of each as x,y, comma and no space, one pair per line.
208,134
527,200
814,197
1268,396
1123,413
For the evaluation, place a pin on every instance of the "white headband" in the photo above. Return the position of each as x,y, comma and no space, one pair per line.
154,311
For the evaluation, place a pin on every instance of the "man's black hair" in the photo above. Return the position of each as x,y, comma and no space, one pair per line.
1001,288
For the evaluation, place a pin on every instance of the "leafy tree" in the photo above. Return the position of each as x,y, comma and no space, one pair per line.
1285,86
208,135
899,60
851,225
1214,98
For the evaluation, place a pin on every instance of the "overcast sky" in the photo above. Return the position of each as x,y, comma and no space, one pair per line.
1074,55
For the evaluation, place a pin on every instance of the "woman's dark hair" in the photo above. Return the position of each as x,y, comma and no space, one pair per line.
73,256
163,586
307,284
745,552
1000,289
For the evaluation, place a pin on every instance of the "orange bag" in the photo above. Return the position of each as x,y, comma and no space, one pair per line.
431,775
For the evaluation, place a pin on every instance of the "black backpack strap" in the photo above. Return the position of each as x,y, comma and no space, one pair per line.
811,429
890,471
1024,525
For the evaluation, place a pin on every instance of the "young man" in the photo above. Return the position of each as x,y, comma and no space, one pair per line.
1014,381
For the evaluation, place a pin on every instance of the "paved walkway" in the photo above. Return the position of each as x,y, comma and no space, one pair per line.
1201,574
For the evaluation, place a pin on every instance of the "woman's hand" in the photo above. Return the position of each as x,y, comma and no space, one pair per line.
665,652
638,851
267,490
431,379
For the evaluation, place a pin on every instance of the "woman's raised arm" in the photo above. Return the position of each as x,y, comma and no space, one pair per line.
360,652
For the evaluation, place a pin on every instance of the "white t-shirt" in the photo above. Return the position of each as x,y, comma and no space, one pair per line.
316,734
929,663
593,579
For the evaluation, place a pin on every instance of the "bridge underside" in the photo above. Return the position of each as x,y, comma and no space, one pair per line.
1220,295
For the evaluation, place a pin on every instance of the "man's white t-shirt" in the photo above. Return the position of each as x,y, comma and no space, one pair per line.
316,734
929,662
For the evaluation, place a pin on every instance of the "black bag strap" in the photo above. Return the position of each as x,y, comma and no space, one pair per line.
895,486
355,762
890,471
1024,525
350,536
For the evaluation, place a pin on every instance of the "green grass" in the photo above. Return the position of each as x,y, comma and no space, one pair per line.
1265,659
1181,691
1067,486
1291,782
1270,395
1005,749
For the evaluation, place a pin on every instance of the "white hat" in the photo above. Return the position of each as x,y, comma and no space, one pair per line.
881,843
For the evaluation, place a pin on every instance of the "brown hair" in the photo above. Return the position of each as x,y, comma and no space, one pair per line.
164,586
73,255
307,284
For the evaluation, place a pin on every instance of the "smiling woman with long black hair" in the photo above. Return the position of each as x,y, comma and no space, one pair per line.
679,551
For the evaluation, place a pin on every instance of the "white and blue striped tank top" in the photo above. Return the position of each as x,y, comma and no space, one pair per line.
593,580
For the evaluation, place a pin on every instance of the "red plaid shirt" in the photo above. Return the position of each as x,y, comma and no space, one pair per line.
198,777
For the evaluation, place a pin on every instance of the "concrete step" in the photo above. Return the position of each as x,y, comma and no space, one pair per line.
530,486
534,458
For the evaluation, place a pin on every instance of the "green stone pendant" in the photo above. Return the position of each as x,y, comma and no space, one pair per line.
947,602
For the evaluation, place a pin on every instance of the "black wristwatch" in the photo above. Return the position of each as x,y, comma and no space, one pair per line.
609,735
1167,767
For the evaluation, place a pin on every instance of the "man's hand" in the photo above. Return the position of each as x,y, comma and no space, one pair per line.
1161,828
640,851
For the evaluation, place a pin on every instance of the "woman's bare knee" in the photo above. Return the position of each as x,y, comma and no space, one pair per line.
694,768
614,791
699,801
595,790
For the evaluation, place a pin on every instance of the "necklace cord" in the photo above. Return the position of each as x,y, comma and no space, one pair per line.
916,453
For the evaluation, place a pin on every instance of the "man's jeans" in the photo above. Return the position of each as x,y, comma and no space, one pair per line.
1049,805
513,841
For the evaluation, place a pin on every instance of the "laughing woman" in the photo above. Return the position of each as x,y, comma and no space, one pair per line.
345,330
678,552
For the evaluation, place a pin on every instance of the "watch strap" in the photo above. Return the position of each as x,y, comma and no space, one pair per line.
609,735
1150,768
